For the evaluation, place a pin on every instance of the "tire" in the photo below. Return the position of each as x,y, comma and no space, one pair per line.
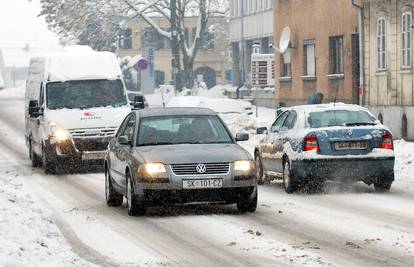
48,163
382,186
36,160
113,198
259,170
289,181
135,208
248,202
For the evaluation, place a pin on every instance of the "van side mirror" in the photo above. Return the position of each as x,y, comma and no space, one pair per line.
261,130
242,137
123,140
138,102
34,109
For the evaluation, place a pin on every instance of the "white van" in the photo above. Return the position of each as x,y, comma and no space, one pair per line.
74,103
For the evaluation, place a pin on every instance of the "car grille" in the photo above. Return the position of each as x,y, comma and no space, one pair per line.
91,144
93,132
190,169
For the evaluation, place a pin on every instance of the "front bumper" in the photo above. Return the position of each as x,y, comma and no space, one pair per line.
92,149
345,169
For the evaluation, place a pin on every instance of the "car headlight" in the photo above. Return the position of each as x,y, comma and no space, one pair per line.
151,169
243,165
58,133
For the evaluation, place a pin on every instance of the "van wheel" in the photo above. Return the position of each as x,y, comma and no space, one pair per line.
382,186
289,181
113,198
135,208
36,160
49,165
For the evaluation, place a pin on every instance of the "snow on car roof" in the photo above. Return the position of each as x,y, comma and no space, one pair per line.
156,112
325,107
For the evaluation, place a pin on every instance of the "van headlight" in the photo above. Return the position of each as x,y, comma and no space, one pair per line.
58,134
244,165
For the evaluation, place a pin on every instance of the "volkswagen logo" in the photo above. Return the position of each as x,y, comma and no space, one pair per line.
350,132
201,168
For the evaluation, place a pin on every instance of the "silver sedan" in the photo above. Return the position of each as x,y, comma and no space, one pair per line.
178,155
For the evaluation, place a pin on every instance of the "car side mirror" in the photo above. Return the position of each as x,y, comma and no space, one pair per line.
123,140
242,137
262,130
34,109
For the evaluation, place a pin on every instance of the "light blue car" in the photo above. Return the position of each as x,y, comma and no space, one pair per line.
314,143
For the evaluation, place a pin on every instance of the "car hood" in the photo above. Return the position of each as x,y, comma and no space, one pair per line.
191,153
88,118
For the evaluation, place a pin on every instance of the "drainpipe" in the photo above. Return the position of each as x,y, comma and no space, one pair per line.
361,52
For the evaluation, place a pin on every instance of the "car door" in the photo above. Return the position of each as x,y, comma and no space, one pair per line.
268,145
125,150
283,139
40,131
114,151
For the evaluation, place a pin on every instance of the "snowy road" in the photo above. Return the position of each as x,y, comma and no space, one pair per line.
346,226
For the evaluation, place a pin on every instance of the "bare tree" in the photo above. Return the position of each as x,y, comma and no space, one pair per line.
70,17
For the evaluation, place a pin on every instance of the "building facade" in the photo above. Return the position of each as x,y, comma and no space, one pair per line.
323,55
389,77
251,23
212,59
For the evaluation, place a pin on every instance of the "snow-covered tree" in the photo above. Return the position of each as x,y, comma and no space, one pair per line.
77,18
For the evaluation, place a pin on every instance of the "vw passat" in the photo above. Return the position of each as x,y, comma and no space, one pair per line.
314,143
178,155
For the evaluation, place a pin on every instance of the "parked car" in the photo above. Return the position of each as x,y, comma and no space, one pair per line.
75,101
248,107
137,100
311,144
186,101
178,155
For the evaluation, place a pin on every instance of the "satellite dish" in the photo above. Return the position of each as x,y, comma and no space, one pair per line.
284,40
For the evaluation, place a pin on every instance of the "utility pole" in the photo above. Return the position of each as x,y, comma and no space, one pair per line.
243,74
175,61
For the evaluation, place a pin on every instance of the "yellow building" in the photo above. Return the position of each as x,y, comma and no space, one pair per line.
212,59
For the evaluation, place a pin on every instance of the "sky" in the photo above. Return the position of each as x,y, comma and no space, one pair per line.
19,25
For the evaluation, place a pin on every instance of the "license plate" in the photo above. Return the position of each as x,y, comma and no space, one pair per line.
202,183
93,155
352,145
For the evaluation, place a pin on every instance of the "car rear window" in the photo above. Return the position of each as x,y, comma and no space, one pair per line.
330,118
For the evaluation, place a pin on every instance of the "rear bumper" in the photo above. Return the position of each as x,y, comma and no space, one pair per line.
168,197
345,169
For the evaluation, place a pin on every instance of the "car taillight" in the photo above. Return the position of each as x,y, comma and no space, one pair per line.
387,142
311,143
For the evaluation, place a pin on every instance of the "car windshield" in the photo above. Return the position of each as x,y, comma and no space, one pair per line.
169,130
85,94
330,118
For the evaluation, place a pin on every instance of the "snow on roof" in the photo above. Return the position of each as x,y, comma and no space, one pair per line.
82,64
223,105
330,106
185,101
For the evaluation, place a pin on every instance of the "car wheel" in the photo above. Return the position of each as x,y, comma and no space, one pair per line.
289,182
49,165
36,160
259,170
134,207
248,202
382,186
113,198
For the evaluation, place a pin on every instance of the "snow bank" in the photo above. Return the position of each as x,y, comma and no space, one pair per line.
13,92
28,235
404,164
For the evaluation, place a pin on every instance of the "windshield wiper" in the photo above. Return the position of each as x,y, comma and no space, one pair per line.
359,123
157,144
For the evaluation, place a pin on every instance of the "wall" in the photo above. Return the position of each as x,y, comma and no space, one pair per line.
318,20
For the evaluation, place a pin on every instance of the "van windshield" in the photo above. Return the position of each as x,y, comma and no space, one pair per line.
85,94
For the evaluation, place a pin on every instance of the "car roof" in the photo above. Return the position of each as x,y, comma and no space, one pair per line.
173,111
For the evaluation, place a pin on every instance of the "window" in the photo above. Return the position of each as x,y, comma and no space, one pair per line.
130,128
123,126
279,122
309,58
125,39
290,121
406,21
331,118
381,46
285,64
336,55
